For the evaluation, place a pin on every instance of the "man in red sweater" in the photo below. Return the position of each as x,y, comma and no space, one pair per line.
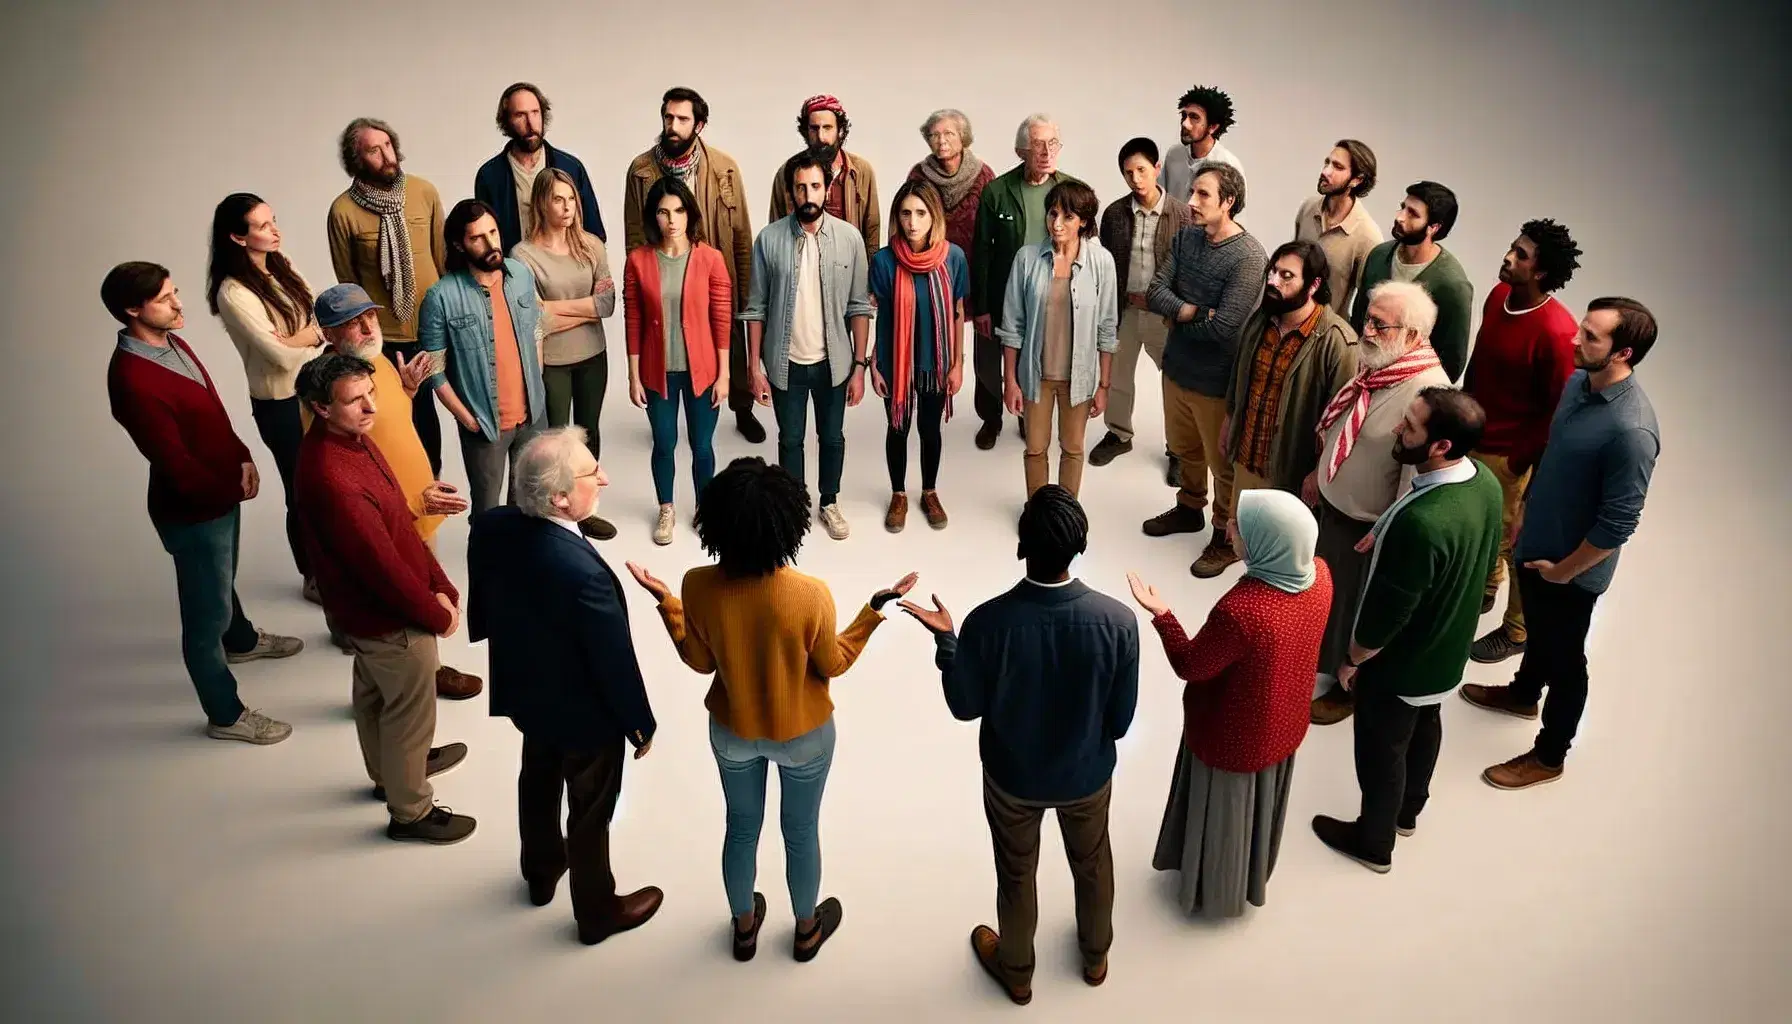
1523,356
199,473
383,589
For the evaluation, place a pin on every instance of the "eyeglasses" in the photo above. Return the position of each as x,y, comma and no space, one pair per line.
1372,325
1045,147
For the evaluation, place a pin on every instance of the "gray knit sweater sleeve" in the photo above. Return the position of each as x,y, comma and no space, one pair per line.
1240,289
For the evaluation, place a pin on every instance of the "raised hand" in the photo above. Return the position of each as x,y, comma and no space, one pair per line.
1146,595
901,589
413,372
937,619
650,583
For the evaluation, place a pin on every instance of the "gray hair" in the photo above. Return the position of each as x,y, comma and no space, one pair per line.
1418,311
349,145
1023,135
948,114
544,470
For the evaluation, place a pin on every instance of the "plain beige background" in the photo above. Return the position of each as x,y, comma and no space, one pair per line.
151,875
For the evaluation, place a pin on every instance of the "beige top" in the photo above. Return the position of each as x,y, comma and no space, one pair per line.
270,365
1346,244
562,277
524,179
1054,361
1370,480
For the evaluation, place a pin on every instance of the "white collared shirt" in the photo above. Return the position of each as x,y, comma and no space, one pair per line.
567,524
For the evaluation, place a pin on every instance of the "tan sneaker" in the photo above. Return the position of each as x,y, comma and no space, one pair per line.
267,645
662,527
835,521
897,517
251,727
1522,772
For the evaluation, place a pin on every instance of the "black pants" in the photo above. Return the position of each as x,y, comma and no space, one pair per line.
277,421
591,780
1396,752
575,394
423,409
928,412
986,369
1557,615
740,386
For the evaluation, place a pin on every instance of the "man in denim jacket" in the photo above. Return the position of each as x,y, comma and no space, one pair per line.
488,371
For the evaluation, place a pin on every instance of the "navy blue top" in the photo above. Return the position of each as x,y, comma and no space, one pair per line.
1053,672
1594,474
881,279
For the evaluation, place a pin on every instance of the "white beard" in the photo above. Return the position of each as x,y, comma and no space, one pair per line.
1375,357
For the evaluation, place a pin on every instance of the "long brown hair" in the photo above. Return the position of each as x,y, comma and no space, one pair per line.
290,302
923,190
579,242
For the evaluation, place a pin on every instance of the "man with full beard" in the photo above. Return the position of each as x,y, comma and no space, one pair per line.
1294,354
1426,216
386,236
506,181
1357,477
1335,219
1205,114
714,178
852,195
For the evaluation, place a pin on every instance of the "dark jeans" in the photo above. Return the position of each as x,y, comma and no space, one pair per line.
592,781
986,368
1396,752
700,417
1014,830
740,384
792,409
929,410
1557,616
281,429
423,408
211,618
578,389
491,465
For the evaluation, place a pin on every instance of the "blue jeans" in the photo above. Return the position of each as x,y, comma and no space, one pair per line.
211,617
792,409
699,422
803,765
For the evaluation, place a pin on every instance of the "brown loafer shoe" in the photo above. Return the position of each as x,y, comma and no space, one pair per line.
1337,705
1498,698
637,909
1522,772
1216,558
453,684
933,510
1094,976
985,941
897,517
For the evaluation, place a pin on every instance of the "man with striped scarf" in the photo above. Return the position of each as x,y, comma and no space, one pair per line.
1358,478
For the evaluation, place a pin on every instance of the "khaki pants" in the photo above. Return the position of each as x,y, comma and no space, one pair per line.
1192,425
395,716
1140,331
1073,422
1244,480
1511,490
1014,830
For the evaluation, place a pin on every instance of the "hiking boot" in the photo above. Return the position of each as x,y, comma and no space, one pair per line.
1342,837
440,760
834,521
1495,647
662,527
597,528
1522,772
1215,558
987,434
749,426
1499,698
453,684
897,517
250,727
267,645
933,510
440,827
1180,519
1109,449
1334,707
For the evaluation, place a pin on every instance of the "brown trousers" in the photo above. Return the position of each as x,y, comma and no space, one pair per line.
1192,426
1014,828
1511,490
395,716
1073,424
592,782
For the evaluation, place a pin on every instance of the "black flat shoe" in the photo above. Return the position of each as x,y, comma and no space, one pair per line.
747,943
827,921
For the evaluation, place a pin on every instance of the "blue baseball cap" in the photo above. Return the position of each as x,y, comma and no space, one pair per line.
341,303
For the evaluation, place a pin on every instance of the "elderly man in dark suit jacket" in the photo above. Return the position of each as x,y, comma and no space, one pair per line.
563,669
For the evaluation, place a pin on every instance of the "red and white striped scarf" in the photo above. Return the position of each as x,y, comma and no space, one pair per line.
1354,398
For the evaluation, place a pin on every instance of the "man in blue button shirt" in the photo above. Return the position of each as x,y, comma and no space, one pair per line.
1584,502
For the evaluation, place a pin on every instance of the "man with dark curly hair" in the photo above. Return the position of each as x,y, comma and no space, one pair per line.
1523,357
1206,115
852,188
506,181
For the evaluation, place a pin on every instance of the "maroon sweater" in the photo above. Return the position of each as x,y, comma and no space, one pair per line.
195,458
373,571
1250,672
961,220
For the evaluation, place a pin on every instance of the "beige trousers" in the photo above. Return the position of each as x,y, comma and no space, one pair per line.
395,716
1073,422
1140,331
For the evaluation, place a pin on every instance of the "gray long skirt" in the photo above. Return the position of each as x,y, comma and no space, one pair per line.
1222,831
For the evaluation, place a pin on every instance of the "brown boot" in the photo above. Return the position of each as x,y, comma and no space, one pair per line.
1215,558
897,517
1337,705
637,909
453,684
985,942
933,510
1522,772
1498,698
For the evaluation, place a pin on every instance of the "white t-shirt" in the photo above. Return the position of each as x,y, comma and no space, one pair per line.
808,341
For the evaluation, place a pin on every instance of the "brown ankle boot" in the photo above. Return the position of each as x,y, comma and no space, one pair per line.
897,517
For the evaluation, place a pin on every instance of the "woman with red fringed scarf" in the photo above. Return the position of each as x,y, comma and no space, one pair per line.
919,282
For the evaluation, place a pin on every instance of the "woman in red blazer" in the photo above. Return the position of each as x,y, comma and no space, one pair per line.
1250,673
678,305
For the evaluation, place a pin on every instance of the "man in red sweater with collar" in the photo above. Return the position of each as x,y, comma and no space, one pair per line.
383,589
199,473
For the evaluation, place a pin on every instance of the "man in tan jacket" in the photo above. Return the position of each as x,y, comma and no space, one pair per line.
715,179
852,197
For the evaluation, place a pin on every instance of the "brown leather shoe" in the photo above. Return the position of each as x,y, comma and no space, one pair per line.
638,908
1337,705
1522,772
453,684
1094,976
1215,558
985,941
1498,698
933,510
987,434
897,517
1179,519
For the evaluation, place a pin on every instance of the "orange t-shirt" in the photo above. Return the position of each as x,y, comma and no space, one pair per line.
513,398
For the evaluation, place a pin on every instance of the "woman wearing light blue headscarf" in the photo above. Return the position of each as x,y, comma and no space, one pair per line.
1245,709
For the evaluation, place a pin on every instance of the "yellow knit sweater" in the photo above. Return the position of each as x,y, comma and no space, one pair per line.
770,641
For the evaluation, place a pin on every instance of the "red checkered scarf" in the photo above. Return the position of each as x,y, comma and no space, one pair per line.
1354,398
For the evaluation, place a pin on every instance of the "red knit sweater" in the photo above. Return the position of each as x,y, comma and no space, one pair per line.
1250,672
373,571
961,220
1520,365
195,458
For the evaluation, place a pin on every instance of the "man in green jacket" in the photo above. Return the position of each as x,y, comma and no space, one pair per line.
1431,552
1426,216
1011,214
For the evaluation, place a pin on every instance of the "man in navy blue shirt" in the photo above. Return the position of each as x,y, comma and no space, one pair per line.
1584,502
505,181
1052,669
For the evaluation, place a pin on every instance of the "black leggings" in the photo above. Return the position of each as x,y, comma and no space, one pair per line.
930,408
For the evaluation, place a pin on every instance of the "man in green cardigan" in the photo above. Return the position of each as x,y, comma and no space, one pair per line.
1426,216
1430,555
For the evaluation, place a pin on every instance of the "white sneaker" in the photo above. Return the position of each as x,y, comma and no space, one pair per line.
662,529
835,521
267,645
251,727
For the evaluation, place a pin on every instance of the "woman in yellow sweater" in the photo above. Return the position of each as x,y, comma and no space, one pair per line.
767,633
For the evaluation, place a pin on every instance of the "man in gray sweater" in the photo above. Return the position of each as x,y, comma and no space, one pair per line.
1209,283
